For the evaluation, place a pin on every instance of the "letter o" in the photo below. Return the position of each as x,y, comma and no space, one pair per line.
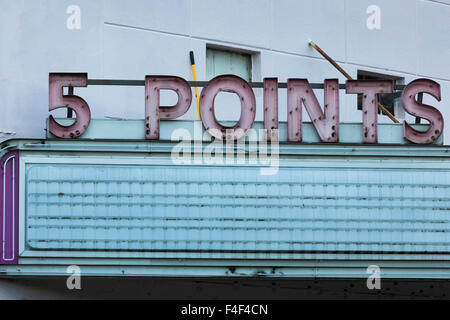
228,83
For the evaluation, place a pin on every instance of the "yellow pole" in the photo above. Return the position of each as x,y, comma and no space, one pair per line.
191,53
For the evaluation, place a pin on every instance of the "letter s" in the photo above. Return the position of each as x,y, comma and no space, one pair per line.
423,111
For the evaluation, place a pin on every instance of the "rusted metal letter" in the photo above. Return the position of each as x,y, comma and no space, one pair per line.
325,123
271,108
423,111
57,81
369,89
154,112
228,83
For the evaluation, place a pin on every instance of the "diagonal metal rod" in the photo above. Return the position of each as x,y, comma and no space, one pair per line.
338,67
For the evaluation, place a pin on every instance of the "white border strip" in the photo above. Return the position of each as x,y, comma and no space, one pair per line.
13,206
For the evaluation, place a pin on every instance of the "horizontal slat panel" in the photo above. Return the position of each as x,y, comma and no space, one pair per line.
235,209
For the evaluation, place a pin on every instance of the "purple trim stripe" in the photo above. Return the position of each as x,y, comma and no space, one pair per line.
9,204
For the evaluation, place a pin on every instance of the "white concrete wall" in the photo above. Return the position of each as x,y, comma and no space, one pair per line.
128,39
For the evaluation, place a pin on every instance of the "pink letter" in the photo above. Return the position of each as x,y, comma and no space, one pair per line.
326,124
234,84
423,111
271,108
58,100
369,89
154,112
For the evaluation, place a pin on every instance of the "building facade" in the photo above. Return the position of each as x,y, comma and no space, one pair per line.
359,205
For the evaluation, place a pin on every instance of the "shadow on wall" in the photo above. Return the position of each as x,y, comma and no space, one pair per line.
217,289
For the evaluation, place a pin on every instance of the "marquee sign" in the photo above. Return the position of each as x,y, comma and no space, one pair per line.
299,94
